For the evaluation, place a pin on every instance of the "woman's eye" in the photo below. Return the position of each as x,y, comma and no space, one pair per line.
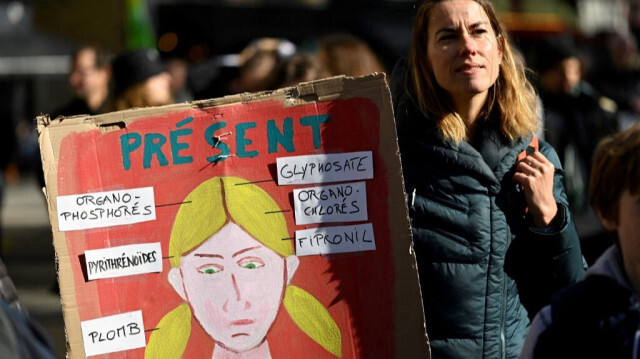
210,269
479,32
251,263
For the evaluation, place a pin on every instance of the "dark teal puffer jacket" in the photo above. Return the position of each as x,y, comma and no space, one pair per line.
484,270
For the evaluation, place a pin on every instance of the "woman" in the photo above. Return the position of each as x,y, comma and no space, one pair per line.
231,266
346,54
141,80
493,236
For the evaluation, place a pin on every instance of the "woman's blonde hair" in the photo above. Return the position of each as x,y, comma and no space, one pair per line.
512,92
209,207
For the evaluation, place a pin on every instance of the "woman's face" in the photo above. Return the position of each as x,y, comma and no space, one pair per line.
235,286
463,50
158,89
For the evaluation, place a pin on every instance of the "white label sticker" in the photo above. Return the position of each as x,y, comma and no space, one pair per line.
106,209
113,334
325,168
328,240
124,261
336,203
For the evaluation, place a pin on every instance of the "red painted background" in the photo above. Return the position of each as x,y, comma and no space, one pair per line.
356,288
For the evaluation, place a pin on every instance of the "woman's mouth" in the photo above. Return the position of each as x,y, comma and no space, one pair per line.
242,322
469,68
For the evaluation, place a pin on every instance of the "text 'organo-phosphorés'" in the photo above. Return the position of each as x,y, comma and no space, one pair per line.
103,209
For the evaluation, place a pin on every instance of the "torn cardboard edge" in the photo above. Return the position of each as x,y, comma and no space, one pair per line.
407,300
315,91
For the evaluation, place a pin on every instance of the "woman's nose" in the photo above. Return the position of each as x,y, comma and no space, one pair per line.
469,45
236,289
235,297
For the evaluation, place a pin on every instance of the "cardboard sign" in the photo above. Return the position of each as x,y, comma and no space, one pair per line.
256,225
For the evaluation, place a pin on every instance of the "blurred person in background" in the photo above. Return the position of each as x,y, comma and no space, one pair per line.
346,54
576,117
302,67
179,70
89,80
616,73
141,80
260,64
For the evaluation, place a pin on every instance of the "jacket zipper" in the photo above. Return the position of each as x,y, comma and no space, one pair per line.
503,339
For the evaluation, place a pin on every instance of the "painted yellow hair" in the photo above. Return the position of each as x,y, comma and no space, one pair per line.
204,212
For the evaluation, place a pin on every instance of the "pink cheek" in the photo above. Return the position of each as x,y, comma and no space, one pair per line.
266,298
205,298
214,312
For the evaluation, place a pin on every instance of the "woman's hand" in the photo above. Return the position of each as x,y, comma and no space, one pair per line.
535,176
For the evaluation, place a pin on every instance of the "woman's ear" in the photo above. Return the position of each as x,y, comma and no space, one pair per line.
175,278
292,263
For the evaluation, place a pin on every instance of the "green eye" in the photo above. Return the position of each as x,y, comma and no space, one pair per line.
252,262
210,269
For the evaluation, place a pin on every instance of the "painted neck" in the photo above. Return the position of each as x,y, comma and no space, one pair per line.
260,352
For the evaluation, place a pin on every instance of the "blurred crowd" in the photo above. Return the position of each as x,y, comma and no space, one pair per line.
103,82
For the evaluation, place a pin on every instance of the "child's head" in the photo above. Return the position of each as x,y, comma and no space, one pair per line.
615,178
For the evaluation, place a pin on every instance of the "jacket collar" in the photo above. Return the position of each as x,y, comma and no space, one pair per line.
609,264
489,142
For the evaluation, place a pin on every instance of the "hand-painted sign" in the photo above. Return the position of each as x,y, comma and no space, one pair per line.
251,226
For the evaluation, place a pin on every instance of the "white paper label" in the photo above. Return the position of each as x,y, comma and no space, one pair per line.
113,334
325,168
328,240
123,261
106,209
335,203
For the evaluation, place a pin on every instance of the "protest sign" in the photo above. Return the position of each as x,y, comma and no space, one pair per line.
263,225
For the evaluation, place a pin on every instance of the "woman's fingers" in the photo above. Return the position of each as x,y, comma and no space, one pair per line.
535,174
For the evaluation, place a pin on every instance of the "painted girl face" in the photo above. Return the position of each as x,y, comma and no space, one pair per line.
463,50
235,286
